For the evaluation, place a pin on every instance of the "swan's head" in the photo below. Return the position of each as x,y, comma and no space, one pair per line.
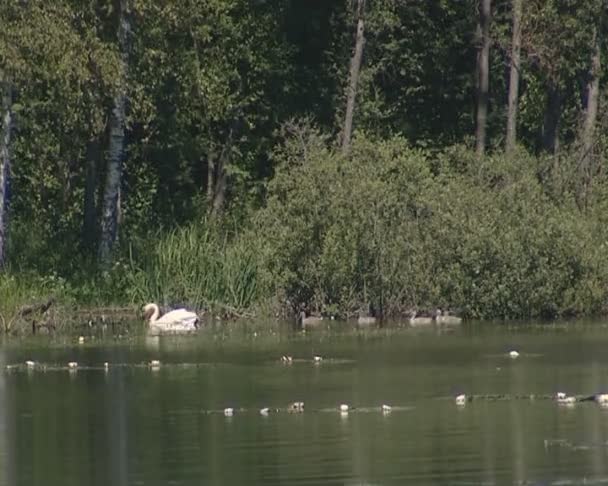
149,310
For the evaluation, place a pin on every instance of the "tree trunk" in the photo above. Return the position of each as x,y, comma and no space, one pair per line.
5,162
593,94
550,139
588,130
89,224
218,175
210,178
110,209
355,67
511,135
219,194
483,76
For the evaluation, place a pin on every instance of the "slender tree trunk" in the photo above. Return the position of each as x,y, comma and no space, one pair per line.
483,76
219,194
5,162
593,95
110,209
589,123
89,224
550,139
220,176
210,178
511,135
355,68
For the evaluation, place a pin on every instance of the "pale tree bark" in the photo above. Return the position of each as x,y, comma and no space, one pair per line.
355,68
89,224
593,96
117,122
5,163
483,76
589,123
511,136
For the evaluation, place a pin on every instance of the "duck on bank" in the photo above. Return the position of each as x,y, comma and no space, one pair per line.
444,317
419,319
309,322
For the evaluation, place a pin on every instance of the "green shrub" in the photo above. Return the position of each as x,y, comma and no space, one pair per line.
394,227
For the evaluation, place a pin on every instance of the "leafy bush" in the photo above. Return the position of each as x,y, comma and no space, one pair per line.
393,227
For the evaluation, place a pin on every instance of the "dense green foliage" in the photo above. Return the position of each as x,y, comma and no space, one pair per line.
232,90
401,228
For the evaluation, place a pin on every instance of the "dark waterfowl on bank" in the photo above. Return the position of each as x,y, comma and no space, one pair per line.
418,319
306,322
366,320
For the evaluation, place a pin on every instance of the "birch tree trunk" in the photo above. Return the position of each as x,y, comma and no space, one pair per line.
218,177
511,135
110,208
89,223
483,76
589,123
355,68
5,162
593,95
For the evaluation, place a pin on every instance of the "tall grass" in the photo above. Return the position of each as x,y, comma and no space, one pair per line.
200,266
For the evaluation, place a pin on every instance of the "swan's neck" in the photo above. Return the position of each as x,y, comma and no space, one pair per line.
155,314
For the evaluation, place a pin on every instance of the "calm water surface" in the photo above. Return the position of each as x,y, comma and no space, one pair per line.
133,425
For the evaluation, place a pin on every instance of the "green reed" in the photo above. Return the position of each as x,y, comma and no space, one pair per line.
200,266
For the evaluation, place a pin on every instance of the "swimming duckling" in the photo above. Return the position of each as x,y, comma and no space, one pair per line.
599,398
602,398
296,407
461,399
563,399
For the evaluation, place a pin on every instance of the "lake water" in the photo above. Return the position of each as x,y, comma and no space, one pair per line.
135,425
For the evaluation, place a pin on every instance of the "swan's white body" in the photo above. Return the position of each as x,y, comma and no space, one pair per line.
173,322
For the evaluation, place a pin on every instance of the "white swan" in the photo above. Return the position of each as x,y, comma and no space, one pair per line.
173,322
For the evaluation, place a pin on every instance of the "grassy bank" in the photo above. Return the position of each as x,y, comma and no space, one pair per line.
388,227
